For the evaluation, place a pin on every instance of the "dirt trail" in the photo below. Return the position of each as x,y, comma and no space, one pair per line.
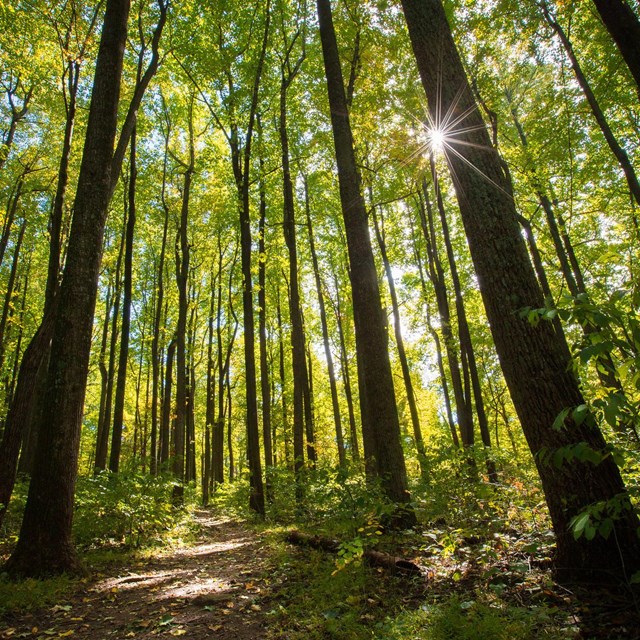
213,589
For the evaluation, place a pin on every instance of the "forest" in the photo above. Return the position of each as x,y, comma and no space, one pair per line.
323,318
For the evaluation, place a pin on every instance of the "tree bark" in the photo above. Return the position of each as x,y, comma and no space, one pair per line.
624,27
45,545
532,358
377,391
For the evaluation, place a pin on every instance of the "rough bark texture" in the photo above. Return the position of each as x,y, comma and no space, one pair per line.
377,391
532,358
623,25
45,544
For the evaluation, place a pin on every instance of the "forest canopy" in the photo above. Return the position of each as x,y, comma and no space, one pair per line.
250,243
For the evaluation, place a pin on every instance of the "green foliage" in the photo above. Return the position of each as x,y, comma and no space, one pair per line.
458,619
33,594
128,509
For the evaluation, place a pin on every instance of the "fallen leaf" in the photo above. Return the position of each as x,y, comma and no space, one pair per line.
217,627
178,632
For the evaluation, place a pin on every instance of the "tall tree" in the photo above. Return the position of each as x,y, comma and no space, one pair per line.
45,544
377,394
532,357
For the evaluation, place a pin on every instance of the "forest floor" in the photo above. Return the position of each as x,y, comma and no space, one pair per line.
211,589
241,582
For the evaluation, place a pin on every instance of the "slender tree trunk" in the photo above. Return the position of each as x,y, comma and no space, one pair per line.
102,438
300,373
241,165
18,112
596,109
157,320
127,294
436,275
182,279
438,345
165,424
346,378
335,403
45,545
377,392
378,223
265,387
283,385
532,358
464,333
11,292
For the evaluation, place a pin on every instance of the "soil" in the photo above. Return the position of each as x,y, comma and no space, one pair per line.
213,589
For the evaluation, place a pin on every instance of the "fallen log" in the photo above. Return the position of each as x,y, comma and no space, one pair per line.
373,558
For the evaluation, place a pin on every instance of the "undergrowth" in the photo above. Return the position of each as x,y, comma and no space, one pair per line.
118,519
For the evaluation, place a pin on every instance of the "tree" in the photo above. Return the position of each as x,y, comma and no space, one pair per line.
623,25
377,395
532,357
45,544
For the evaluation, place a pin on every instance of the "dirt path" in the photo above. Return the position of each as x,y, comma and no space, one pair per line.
213,589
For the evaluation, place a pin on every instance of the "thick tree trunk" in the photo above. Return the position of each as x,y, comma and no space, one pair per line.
45,544
377,391
532,358
624,27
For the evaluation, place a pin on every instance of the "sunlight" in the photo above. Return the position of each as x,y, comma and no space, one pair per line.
436,138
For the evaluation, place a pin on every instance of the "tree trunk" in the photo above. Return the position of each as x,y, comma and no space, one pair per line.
157,320
265,387
127,286
346,379
466,344
104,420
532,358
377,392
182,255
335,403
596,109
436,275
45,545
624,27
165,424
241,166
298,351
402,355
